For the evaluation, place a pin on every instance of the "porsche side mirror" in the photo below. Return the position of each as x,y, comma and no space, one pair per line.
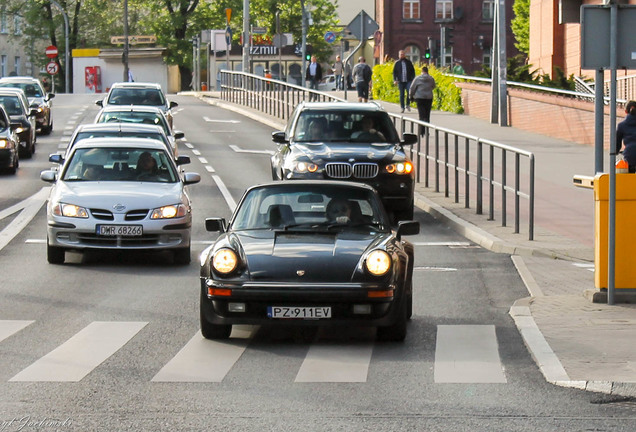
408,228
215,225
409,139
279,137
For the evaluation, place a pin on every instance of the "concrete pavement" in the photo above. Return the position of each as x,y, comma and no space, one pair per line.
575,343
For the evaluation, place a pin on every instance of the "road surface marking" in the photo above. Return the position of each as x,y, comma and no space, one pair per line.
30,207
209,120
467,354
77,357
9,327
441,244
336,363
438,269
202,360
225,192
237,149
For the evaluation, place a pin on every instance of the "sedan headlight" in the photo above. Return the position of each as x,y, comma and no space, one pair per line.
378,262
6,144
169,212
225,261
70,210
19,130
400,168
306,167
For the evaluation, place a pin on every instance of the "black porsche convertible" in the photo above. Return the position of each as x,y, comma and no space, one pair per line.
308,253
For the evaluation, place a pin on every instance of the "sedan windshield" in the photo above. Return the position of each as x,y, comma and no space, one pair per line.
11,105
129,116
30,90
309,208
128,96
120,164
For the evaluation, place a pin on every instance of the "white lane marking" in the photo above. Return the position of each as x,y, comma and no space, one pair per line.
237,149
30,207
441,244
203,160
209,169
35,241
209,120
188,145
336,363
225,192
586,266
438,269
9,327
77,357
467,354
202,360
196,152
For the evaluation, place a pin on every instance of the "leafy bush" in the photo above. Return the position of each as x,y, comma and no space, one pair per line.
446,96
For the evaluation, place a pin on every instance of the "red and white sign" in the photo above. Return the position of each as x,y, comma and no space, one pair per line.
52,68
51,51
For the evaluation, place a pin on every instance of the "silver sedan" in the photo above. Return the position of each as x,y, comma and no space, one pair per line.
119,193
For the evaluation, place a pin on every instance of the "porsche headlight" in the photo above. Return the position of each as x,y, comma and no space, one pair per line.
378,262
70,210
224,261
306,167
169,212
400,168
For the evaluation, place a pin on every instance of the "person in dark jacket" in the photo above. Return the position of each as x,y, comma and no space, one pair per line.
314,76
626,135
403,74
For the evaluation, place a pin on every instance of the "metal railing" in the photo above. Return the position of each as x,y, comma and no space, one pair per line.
475,168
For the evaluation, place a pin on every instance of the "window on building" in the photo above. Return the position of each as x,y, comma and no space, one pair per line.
17,25
17,65
486,58
488,10
443,9
412,53
3,66
411,9
4,29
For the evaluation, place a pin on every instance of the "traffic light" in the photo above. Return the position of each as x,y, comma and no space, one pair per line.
308,50
427,54
449,36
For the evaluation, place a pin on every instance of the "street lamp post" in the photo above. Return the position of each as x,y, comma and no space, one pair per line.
66,65
126,45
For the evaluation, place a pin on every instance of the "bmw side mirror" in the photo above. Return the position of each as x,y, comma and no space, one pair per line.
279,137
215,225
408,228
48,176
409,139
178,135
183,160
56,158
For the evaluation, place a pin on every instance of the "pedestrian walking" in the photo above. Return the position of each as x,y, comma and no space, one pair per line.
362,77
626,136
338,71
422,92
313,75
403,75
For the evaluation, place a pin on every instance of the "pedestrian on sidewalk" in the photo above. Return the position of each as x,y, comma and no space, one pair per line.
362,77
403,74
338,71
422,92
626,135
314,76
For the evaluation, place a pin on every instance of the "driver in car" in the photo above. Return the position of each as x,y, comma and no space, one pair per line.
368,133
146,166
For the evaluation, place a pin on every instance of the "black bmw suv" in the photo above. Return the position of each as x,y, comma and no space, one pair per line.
348,141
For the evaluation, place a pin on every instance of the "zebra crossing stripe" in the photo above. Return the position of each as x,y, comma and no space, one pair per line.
82,353
336,363
9,327
467,354
202,360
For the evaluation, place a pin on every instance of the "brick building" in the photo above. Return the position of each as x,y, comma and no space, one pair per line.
415,25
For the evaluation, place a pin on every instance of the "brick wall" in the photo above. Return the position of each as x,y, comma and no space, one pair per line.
556,116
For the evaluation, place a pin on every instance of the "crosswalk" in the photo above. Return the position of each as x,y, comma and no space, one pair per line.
463,354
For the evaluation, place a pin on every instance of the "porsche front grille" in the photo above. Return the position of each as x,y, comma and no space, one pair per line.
343,170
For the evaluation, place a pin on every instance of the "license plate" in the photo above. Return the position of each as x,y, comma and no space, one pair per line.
120,230
294,312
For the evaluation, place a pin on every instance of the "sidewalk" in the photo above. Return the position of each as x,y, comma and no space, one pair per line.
576,343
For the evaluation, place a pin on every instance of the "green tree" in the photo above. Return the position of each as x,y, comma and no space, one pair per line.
521,25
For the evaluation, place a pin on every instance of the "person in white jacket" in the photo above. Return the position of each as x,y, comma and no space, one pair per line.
422,91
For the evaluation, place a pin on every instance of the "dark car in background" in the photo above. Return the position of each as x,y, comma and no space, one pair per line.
22,118
137,93
308,253
9,159
38,99
348,141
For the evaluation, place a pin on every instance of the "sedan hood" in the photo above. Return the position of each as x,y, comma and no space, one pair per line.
346,151
104,195
304,256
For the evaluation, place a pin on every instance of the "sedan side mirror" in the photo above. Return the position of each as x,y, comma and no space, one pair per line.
33,112
173,104
48,176
215,225
409,139
56,158
279,137
178,135
191,178
49,96
183,160
99,103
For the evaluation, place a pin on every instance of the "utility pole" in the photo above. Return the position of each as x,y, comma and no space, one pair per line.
126,46
246,36
304,43
66,65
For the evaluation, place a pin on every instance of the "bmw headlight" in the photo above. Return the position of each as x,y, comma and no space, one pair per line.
70,210
169,212
225,261
399,168
378,263
305,167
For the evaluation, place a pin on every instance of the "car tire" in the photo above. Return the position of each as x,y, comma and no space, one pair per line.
209,330
409,301
397,331
46,130
182,256
55,254
14,168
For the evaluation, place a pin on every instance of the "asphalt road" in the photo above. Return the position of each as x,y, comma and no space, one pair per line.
133,319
